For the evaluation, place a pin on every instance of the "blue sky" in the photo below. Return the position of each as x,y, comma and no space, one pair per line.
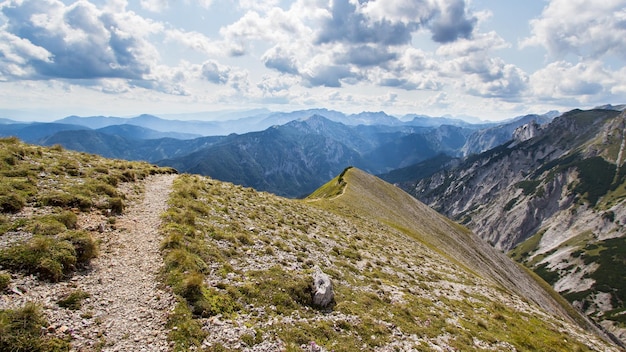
491,59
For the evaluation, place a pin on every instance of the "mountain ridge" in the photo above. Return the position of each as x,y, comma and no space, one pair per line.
554,199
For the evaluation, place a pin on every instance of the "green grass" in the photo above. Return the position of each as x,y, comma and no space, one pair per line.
522,251
20,330
5,280
332,188
242,256
74,300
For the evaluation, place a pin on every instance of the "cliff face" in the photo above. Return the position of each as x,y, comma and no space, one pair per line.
554,194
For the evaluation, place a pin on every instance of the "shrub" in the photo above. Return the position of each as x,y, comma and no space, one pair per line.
185,332
11,203
47,257
74,300
66,200
116,205
212,302
67,218
50,258
20,330
84,245
5,280
183,260
46,226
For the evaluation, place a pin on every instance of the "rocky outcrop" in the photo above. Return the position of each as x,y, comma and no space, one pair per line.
526,132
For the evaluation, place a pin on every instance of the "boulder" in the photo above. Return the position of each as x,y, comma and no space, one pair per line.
323,294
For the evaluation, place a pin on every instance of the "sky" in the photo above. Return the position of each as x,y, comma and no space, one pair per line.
489,59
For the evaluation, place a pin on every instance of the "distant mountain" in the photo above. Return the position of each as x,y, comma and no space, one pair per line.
295,158
115,146
279,160
429,121
259,120
420,170
4,121
491,137
33,132
204,128
555,197
136,132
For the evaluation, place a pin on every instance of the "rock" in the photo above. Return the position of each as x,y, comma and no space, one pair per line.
323,294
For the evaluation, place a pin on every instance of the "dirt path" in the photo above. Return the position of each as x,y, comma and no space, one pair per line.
126,309
125,285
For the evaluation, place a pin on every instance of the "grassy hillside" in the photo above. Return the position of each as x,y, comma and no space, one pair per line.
43,192
241,263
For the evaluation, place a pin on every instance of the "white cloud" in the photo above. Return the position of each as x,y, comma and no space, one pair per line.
480,43
581,81
195,41
83,42
154,5
585,28
258,5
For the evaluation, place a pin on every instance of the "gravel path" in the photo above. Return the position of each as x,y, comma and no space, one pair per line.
127,307
125,283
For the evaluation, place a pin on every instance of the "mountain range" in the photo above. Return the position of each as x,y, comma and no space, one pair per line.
290,159
555,198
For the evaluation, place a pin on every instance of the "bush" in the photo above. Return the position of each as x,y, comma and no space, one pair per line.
212,302
74,300
116,205
183,260
5,280
67,218
50,258
20,330
66,200
84,245
12,203
185,332
46,226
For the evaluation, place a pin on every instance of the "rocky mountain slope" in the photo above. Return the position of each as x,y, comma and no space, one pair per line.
555,195
238,266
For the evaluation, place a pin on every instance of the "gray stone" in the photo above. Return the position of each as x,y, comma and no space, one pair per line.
323,294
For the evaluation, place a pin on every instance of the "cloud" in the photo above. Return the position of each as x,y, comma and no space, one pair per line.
215,73
470,64
346,24
154,5
580,81
258,5
479,44
80,41
367,55
195,41
586,28
279,59
452,22
275,26
327,75
161,5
